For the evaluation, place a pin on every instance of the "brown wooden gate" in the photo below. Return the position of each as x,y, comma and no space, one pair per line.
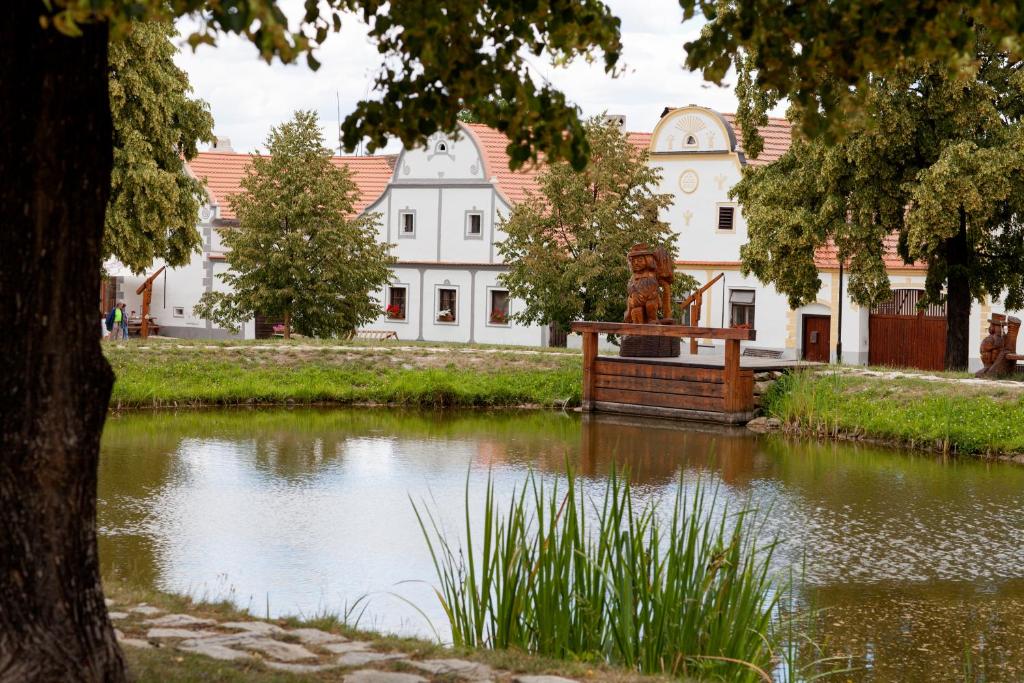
902,335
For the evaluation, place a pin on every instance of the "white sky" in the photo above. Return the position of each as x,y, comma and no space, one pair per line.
247,96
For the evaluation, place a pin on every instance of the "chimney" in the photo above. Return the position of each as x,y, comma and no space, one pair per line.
617,119
222,145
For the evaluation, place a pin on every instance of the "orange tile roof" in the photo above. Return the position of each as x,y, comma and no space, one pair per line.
223,172
828,257
777,135
514,185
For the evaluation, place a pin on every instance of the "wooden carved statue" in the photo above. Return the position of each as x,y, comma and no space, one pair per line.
999,347
650,285
649,301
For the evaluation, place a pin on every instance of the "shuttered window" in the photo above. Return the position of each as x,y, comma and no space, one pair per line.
726,216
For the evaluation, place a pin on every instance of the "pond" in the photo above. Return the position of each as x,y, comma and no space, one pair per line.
916,562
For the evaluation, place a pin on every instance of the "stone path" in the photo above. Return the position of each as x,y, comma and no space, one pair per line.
296,650
899,374
285,348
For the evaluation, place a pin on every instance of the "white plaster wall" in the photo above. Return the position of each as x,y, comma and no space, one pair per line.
456,245
513,333
424,201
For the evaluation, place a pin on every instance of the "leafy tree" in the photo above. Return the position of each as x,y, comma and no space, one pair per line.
936,159
298,253
823,55
567,245
153,202
56,155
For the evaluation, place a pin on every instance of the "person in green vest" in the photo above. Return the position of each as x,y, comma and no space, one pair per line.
117,323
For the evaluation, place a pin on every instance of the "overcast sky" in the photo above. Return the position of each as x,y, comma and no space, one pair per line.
248,96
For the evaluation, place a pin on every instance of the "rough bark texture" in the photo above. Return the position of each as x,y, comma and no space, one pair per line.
55,161
958,298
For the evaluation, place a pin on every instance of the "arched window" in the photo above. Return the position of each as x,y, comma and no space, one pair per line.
441,147
691,141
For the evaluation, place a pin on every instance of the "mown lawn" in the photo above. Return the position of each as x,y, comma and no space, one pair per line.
954,417
159,374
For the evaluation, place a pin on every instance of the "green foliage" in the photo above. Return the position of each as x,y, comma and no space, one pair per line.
154,202
690,596
822,55
566,246
436,59
936,159
924,414
298,252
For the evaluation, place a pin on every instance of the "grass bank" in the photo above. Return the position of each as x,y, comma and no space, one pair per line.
945,415
164,374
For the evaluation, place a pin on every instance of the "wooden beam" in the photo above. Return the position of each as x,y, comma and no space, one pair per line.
736,333
589,357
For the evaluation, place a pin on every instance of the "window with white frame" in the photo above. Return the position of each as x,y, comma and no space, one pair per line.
397,298
178,311
726,218
406,223
474,224
741,308
499,312
447,304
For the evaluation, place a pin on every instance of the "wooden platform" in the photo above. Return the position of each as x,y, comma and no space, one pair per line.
711,388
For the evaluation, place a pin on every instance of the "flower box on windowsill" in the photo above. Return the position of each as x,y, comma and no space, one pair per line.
499,318
395,313
449,318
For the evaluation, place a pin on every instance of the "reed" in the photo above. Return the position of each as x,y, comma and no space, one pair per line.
558,574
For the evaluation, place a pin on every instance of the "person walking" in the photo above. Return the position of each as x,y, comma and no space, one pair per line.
124,322
116,322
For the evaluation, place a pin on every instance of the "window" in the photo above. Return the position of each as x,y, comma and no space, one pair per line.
741,308
691,141
406,223
178,311
396,303
447,304
499,307
474,224
726,216
441,148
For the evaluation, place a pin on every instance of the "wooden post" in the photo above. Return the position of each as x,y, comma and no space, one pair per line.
589,356
734,400
694,322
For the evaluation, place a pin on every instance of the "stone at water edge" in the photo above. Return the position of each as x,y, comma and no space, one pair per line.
135,642
542,679
470,671
178,633
346,647
213,651
108,602
146,610
115,616
174,620
286,652
763,425
261,627
299,668
374,676
314,636
364,658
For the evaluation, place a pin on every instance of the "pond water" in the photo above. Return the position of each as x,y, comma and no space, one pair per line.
917,562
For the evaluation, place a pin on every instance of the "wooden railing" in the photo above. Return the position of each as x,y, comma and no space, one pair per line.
735,394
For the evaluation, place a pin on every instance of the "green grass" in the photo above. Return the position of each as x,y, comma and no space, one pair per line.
690,596
158,375
943,416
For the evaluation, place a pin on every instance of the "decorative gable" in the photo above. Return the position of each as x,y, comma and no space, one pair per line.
693,129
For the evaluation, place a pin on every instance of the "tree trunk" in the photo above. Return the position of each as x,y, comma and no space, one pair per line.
55,161
958,298
287,325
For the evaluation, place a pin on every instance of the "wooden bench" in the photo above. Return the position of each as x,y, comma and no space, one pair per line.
379,335
761,353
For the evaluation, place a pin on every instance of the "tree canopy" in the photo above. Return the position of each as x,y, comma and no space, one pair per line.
822,55
936,160
154,202
566,245
299,253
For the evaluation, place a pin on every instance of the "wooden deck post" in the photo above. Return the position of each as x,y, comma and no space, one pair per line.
589,356
734,399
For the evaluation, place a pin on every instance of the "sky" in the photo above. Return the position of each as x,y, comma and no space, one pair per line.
247,96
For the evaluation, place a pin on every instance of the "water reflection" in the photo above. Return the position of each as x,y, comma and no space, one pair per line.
918,561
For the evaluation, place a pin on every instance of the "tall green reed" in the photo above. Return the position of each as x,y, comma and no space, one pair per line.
687,594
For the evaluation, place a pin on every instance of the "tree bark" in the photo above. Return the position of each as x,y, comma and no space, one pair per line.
958,298
55,161
287,325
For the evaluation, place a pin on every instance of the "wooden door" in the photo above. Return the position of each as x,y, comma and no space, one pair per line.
817,344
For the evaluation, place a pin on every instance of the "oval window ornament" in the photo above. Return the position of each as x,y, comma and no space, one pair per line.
689,181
